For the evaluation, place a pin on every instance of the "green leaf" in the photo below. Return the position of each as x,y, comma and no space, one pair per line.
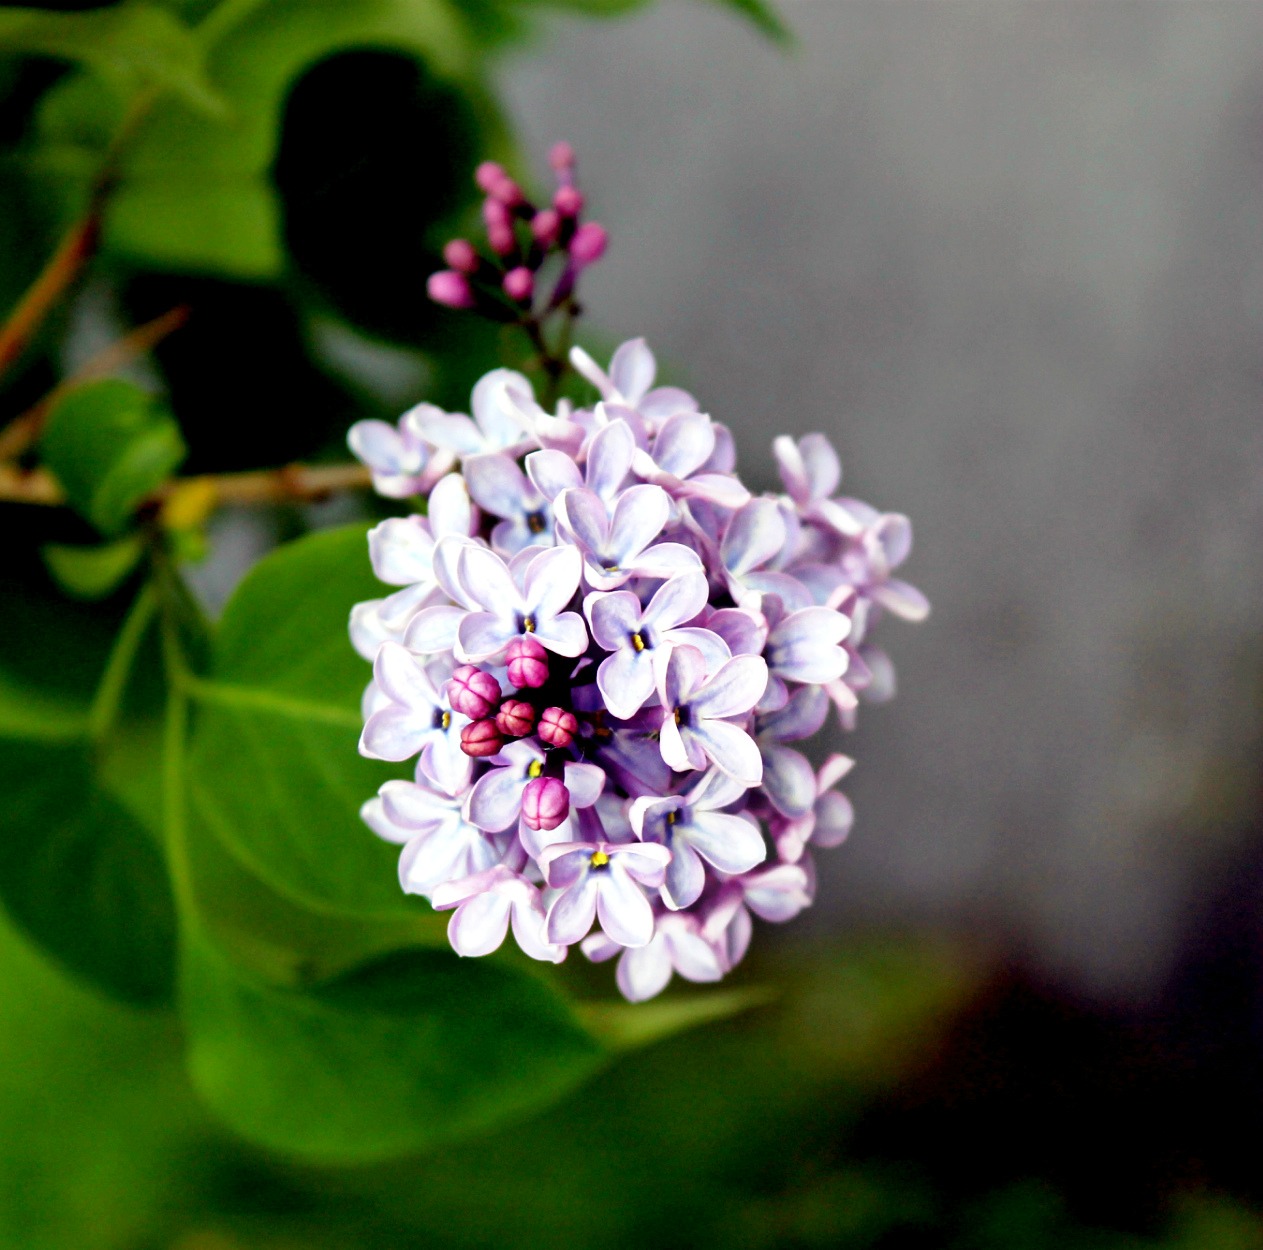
274,770
81,875
195,191
416,1049
764,16
93,572
132,44
110,445
628,1026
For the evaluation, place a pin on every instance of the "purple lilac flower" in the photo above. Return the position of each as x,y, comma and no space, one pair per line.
606,655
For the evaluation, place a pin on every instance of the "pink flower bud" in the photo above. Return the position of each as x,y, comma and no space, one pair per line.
507,192
557,727
519,283
516,718
528,663
568,201
588,244
488,174
495,215
461,256
472,692
480,738
545,803
546,226
502,239
561,157
449,288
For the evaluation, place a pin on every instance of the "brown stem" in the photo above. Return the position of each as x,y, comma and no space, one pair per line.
23,430
76,248
294,483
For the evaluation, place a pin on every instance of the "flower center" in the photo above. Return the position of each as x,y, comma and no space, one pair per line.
599,859
442,719
528,624
535,769
638,641
535,522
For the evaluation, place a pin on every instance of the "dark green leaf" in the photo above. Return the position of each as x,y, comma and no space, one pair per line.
110,445
134,44
81,875
93,572
196,191
417,1049
274,769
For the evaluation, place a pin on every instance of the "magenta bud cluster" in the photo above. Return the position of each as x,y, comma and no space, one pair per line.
534,253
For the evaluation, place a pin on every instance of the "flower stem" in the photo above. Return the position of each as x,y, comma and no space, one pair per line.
118,667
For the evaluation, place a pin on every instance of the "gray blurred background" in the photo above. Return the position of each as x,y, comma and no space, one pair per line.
1011,257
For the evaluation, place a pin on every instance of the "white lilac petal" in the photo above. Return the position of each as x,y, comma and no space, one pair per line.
572,912
717,488
803,714
401,550
729,748
834,818
788,780
643,972
685,876
694,958
680,751
585,783
487,581
453,431
609,459
745,632
495,802
396,611
793,595
833,770
903,600
434,629
789,460
821,464
582,512
677,601
779,893
621,906
733,690
804,646
565,863
587,368
681,674
665,560
373,814
551,581
565,634
625,680
666,401
714,649
614,617
552,472
479,925
529,919
639,517
367,629
450,510
598,948
731,843
632,370
495,409
754,536
683,444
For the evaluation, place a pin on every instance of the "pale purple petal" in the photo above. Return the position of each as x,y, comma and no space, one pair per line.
821,465
834,818
478,926
788,781
564,635
609,459
585,783
433,630
644,972
551,581
639,515
485,578
676,601
684,443
498,486
621,906
732,691
905,601
713,648
745,632
614,617
686,876
632,370
449,510
802,716
583,513
496,799
665,560
730,748
483,636
683,672
625,680
678,751
573,911
529,920
694,958
754,536
401,550
731,843
452,430
551,472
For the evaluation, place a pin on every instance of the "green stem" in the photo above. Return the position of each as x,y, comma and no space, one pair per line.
174,735
109,693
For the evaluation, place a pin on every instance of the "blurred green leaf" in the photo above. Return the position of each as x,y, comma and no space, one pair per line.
131,44
110,444
274,770
93,572
416,1049
625,1026
764,16
195,191
81,875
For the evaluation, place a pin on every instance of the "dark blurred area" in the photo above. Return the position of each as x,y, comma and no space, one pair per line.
1010,256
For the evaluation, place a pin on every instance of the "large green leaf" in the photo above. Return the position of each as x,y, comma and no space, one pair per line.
419,1048
79,870
110,444
131,44
195,191
81,875
274,769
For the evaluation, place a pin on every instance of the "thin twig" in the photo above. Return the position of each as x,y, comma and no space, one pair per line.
295,483
23,430
77,246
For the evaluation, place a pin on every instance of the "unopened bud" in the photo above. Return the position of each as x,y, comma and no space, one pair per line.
507,192
502,239
557,727
449,288
545,803
527,662
488,174
588,244
472,692
461,256
480,738
519,283
561,157
568,201
546,226
516,718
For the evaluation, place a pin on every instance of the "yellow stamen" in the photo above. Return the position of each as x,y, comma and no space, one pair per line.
599,859
638,642
535,768
528,624
447,720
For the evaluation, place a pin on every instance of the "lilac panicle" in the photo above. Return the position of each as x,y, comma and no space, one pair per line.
606,654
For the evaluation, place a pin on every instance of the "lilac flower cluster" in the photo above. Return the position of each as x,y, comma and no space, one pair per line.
603,651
